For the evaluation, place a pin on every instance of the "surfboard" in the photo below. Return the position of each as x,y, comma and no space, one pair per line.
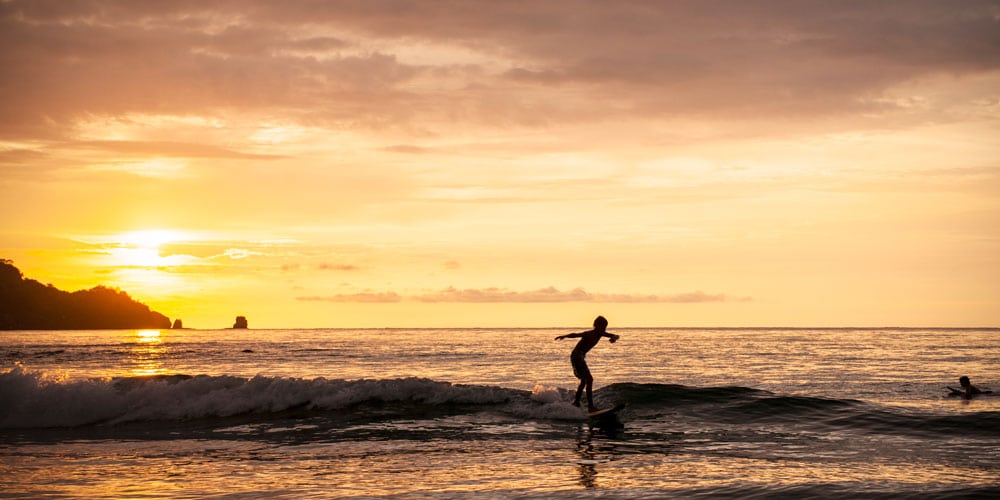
606,411
959,392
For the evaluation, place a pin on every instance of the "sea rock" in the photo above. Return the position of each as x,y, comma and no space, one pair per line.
241,322
178,324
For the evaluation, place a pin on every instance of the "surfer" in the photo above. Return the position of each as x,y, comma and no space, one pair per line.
968,390
578,358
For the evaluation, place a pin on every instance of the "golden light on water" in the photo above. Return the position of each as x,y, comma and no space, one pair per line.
148,336
147,353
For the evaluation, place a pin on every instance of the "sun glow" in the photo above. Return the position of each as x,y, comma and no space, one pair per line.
150,238
148,336
143,248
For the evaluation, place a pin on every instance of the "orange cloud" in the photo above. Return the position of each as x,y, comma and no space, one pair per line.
342,63
542,295
337,267
364,297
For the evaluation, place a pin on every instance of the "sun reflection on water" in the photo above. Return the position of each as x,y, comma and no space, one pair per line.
147,353
148,336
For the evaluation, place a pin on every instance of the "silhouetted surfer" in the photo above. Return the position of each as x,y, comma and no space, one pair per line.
968,390
578,358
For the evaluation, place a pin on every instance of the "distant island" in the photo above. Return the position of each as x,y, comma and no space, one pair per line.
26,304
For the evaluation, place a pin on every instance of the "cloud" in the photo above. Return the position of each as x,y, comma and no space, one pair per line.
239,253
552,294
168,149
20,156
364,297
549,294
542,295
405,149
337,267
481,63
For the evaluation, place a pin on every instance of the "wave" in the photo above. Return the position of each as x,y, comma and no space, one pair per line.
35,400
858,489
742,405
31,399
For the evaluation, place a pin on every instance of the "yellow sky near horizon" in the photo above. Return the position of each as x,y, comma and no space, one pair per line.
360,164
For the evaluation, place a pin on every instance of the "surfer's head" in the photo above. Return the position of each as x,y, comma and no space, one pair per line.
964,381
600,323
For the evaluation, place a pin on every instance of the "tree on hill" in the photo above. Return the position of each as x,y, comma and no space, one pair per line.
26,304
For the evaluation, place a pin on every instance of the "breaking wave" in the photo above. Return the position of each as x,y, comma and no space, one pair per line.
33,400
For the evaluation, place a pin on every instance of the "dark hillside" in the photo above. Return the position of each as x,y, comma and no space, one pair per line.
26,304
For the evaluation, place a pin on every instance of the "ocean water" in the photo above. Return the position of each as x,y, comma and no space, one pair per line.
456,413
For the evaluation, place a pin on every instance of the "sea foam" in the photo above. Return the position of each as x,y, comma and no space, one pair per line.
31,399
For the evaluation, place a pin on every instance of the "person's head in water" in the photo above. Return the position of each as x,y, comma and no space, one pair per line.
964,381
600,323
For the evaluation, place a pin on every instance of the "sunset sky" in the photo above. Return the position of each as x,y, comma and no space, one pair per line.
492,163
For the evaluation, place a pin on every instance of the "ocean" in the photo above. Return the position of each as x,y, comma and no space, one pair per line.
486,413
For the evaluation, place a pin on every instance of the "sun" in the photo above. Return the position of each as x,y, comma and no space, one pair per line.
150,238
142,248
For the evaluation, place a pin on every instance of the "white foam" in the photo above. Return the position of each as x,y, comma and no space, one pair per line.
547,394
548,403
31,399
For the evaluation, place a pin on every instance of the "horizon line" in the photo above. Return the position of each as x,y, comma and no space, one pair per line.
541,328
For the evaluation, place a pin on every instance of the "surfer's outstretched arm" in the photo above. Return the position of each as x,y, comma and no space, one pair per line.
569,336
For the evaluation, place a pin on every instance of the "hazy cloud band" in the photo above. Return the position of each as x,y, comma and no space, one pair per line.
542,295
